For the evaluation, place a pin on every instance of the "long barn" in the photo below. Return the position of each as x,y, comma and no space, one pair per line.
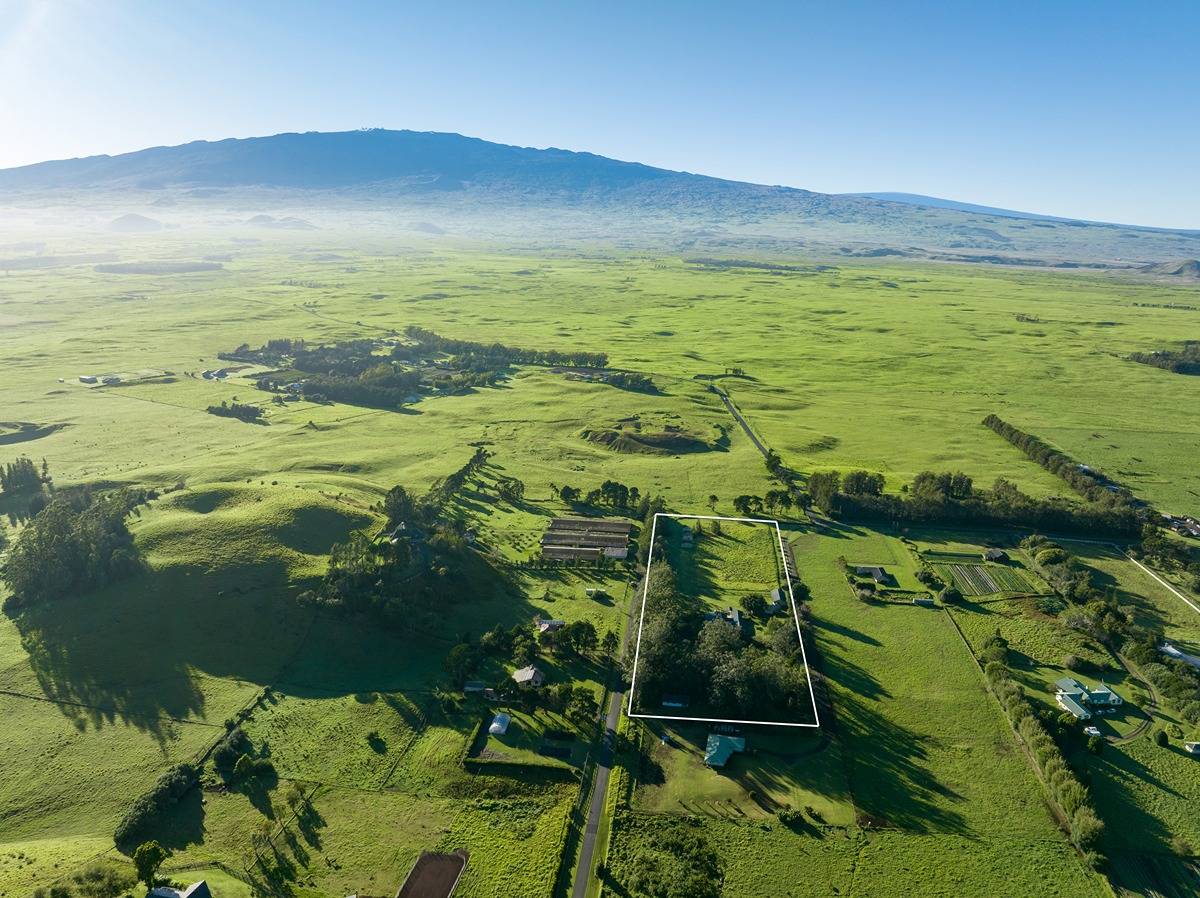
590,538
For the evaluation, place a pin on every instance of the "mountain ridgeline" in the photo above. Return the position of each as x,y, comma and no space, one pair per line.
471,187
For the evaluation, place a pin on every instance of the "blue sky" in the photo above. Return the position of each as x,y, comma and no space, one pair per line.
1085,109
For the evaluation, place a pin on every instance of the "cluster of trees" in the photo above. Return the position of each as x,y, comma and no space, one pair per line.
381,386
1181,361
448,486
23,476
713,661
1168,554
752,506
147,811
499,354
1091,610
75,543
250,413
1089,483
1176,681
272,353
951,498
1064,787
631,380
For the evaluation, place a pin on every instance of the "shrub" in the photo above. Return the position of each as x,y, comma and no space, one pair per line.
147,810
1161,739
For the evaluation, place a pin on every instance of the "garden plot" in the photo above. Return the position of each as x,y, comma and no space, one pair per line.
982,579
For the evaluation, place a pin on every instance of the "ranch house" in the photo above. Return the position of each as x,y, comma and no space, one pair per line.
529,676
1079,700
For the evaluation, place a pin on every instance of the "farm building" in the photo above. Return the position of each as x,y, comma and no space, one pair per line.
88,378
1192,748
878,574
778,603
529,676
1077,699
719,749
195,890
1177,654
593,538
924,602
548,626
499,725
595,593
998,555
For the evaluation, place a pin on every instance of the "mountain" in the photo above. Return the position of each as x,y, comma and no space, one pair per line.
467,187
934,202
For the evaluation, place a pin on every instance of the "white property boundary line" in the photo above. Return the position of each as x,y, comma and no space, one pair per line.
795,615
1180,595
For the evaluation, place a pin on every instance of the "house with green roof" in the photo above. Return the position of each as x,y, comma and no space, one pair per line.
721,748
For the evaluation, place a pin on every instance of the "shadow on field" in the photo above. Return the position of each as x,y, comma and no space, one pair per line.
889,778
130,653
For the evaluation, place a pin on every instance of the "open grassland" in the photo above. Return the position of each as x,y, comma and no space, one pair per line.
921,785
721,568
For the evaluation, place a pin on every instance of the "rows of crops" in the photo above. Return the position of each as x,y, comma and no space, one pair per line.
981,579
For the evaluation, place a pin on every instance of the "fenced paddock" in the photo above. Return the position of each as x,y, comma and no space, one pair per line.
434,875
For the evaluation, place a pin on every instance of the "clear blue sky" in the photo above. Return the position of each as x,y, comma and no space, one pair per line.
1085,109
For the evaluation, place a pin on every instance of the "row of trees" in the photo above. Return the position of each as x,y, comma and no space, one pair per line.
23,476
499,353
1089,483
1065,789
951,498
1181,361
75,543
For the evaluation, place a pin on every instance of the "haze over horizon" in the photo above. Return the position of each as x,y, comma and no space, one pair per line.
1077,112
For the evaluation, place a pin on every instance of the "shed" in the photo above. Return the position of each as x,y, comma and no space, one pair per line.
878,574
675,700
778,603
995,555
1192,748
474,686
924,602
720,749
529,676
548,626
87,378
499,724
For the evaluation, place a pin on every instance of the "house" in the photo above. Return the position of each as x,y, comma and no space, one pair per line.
1091,731
688,539
878,574
474,686
499,724
195,890
675,700
998,555
87,378
733,617
1192,748
720,749
529,676
548,626
778,603
1076,698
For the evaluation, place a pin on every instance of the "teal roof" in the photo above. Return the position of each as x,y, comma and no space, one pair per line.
1073,706
720,749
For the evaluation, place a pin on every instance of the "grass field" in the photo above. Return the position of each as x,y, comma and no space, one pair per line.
885,367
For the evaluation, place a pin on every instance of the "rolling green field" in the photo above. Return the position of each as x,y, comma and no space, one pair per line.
918,780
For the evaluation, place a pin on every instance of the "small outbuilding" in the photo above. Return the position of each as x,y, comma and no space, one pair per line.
778,603
878,574
1192,748
195,890
675,700
720,748
529,676
997,555
499,724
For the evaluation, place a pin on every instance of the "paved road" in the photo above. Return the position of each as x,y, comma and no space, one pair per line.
604,761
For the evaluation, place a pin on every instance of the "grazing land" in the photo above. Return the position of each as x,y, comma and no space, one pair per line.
355,644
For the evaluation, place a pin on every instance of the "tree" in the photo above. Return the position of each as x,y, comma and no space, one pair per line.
823,486
399,506
862,483
459,662
755,604
581,636
582,705
609,643
1161,738
569,494
510,489
712,502
147,858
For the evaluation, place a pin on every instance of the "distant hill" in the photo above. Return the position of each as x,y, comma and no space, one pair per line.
916,199
1188,269
449,183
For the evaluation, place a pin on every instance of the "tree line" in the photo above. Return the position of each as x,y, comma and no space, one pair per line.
251,414
23,476
1181,361
952,498
498,352
1093,485
1064,787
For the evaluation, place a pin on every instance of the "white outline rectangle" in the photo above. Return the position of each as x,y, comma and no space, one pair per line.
795,614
